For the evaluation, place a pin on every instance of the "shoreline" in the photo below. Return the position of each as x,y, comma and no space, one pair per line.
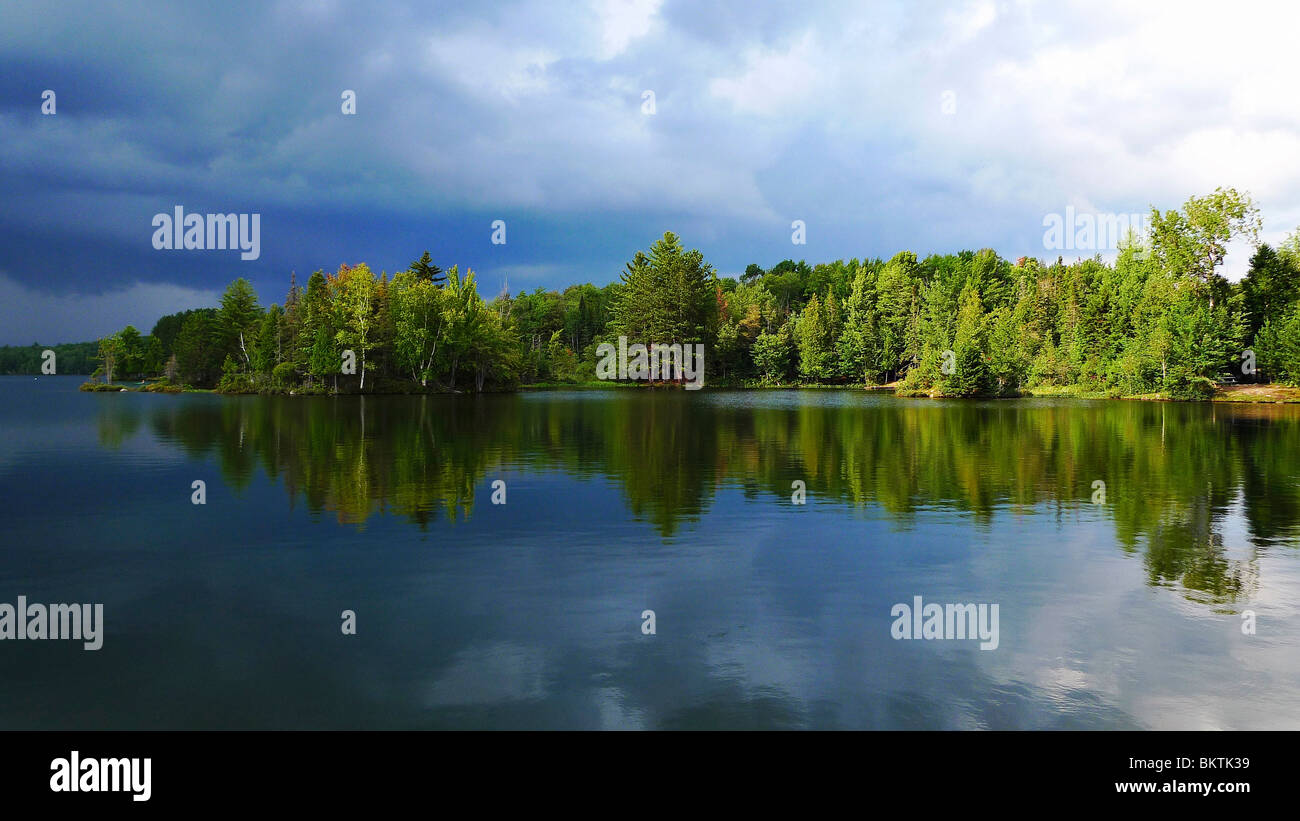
1256,394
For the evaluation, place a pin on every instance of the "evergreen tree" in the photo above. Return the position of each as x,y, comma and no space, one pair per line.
859,343
668,296
237,321
423,268
971,375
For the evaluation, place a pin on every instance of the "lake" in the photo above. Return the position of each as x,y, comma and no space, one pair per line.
1144,559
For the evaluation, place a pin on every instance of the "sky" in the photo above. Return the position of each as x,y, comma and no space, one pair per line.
923,126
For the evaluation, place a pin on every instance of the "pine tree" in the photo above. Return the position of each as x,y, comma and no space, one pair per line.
237,321
423,268
667,296
266,350
971,375
858,344
898,317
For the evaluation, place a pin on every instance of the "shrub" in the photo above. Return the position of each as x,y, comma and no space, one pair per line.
284,375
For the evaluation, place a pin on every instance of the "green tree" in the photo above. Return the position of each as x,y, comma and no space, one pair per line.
774,354
859,343
198,348
110,355
971,376
463,316
418,318
354,290
898,315
1192,242
237,321
424,269
266,349
668,296
816,333
1269,288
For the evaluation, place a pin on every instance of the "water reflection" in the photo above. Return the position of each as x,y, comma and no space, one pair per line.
1171,472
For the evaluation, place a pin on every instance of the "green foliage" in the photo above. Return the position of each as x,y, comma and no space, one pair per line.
237,322
774,355
816,333
198,349
1192,242
325,359
1270,287
267,353
284,375
71,358
1277,346
971,377
744,312
167,328
859,344
1159,320
668,296
419,320
353,290
424,270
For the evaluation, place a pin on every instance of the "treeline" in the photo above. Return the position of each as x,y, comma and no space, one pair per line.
1160,320
69,358
345,331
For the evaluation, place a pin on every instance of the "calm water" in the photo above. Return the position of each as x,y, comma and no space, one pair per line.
1122,614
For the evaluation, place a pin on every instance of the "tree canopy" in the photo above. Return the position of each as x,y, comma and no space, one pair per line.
1160,318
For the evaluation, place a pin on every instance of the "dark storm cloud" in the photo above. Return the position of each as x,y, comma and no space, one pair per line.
531,113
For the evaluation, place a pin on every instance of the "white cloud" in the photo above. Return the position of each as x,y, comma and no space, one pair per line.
621,22
479,62
777,82
971,19
824,113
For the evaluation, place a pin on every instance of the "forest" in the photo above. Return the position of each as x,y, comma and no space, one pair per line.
69,358
1161,320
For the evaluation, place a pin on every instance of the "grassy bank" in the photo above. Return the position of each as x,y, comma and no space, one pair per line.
138,387
1272,394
